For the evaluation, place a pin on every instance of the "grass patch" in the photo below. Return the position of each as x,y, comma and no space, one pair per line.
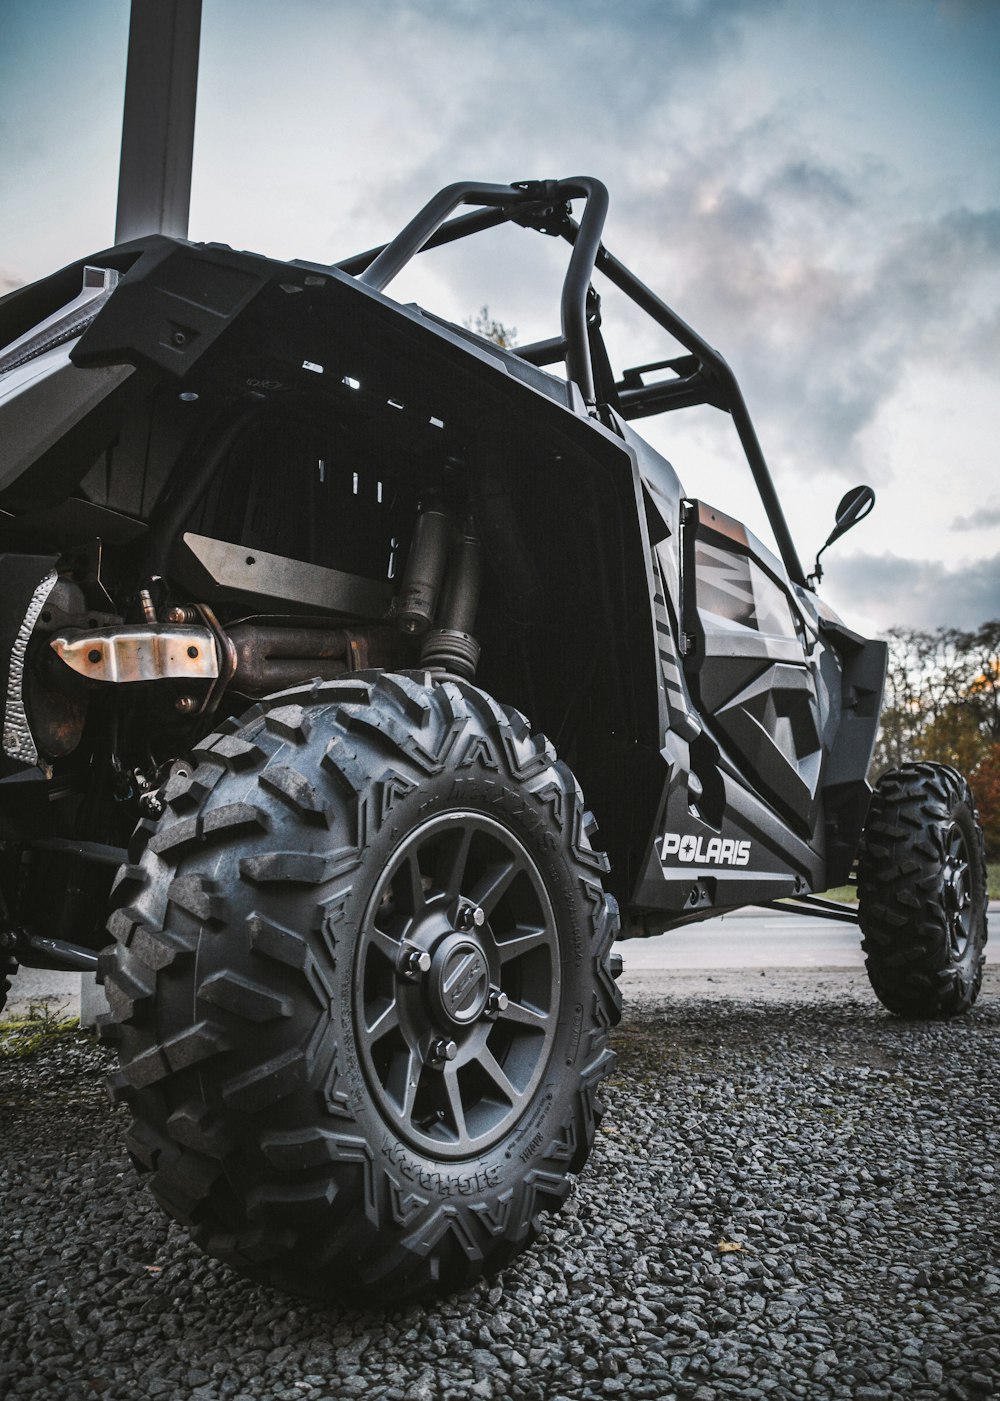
847,893
24,1033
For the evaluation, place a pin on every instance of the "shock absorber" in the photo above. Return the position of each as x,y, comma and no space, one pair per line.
425,565
451,645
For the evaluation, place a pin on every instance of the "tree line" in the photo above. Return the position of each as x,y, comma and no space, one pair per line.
942,702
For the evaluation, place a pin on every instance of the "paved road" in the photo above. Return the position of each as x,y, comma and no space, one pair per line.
749,939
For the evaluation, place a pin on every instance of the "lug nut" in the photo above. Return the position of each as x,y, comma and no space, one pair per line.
413,962
496,1002
442,1050
471,917
151,805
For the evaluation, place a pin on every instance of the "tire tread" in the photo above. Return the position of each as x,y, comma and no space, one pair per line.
901,904
268,1211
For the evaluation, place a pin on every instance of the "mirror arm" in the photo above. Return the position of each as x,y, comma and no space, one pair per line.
816,573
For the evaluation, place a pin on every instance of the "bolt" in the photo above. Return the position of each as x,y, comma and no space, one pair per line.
414,962
441,1051
471,917
94,655
496,1002
187,705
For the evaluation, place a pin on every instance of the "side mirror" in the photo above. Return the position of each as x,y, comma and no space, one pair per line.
854,506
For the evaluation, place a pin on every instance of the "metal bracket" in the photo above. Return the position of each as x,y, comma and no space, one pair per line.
140,653
552,218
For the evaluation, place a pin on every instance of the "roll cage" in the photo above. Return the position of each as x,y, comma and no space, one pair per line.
700,377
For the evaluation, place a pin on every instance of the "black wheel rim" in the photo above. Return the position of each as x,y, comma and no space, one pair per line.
457,985
958,891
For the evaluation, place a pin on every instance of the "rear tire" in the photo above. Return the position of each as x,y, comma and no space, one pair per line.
922,892
362,990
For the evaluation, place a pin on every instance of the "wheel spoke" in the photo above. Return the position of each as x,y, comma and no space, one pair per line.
495,1071
385,1022
525,940
957,892
523,1016
455,1104
386,944
489,889
454,859
414,1069
411,885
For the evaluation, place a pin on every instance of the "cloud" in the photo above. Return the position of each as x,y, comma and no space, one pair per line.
819,184
817,215
816,281
807,261
920,593
980,519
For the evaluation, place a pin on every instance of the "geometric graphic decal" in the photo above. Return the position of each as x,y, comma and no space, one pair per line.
752,674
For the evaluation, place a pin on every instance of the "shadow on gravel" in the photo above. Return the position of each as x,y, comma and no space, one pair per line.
787,1198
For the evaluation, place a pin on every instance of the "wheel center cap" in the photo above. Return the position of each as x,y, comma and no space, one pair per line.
459,980
951,895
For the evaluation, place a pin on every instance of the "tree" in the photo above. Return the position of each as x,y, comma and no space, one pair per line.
490,329
986,787
942,703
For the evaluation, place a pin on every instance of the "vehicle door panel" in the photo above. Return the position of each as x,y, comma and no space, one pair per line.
746,662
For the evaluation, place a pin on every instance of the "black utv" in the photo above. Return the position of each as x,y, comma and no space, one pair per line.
294,581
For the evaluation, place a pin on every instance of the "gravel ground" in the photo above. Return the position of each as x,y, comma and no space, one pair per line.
852,1158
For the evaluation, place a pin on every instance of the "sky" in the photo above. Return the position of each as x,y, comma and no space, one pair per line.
814,186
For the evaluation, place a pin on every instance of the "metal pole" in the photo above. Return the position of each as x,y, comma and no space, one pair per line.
154,178
161,83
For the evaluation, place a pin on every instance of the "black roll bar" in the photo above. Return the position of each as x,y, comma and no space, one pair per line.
509,200
544,205
398,252
455,229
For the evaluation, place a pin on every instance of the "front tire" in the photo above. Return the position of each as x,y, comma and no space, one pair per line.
361,989
922,892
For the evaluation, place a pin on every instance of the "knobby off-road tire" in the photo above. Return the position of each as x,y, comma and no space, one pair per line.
361,988
922,892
